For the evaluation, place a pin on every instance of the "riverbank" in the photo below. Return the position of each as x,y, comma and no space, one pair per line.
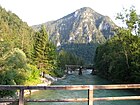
46,81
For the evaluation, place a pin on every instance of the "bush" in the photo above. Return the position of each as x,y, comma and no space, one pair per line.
32,75
6,79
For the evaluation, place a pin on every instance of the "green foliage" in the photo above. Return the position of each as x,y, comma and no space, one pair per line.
17,59
6,79
14,33
16,44
15,71
59,72
32,75
130,19
15,65
85,52
44,55
119,58
40,45
66,58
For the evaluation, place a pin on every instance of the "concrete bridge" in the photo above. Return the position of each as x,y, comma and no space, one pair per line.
79,68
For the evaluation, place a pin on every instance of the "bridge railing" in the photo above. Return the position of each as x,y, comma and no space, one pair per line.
21,100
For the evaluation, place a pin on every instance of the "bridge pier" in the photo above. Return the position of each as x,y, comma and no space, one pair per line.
93,71
69,70
80,70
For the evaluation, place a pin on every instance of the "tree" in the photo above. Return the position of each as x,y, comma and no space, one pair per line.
67,58
44,53
39,48
15,48
119,58
130,19
14,33
12,70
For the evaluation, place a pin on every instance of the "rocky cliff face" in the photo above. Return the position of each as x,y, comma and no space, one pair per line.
82,26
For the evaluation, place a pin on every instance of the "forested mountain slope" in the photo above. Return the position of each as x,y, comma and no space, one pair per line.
14,33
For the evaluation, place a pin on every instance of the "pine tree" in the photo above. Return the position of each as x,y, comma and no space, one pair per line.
44,52
39,47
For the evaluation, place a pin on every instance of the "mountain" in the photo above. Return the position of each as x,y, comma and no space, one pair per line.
80,27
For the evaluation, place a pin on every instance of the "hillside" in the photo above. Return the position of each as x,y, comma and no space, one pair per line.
14,33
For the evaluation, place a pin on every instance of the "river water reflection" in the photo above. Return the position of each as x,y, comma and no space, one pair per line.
85,79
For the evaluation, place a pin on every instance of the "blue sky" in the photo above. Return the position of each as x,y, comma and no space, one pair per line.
40,11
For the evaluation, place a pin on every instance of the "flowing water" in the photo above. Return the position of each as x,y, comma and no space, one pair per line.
85,79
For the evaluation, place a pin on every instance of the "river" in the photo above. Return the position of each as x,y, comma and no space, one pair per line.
85,79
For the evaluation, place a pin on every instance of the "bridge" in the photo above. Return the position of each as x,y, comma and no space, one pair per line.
79,68
90,100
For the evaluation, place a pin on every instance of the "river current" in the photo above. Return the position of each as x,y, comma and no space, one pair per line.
85,79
